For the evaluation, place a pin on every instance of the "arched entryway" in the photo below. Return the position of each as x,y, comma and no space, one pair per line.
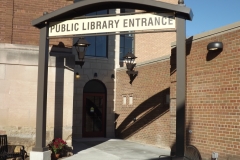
94,109
84,7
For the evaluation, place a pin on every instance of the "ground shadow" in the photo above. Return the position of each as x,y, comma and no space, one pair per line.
121,149
150,110
86,143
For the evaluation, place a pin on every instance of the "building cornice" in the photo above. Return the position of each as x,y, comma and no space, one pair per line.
152,61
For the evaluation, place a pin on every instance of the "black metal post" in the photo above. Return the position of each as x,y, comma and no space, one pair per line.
181,85
40,144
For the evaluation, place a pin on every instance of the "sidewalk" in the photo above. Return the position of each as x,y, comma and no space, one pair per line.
114,149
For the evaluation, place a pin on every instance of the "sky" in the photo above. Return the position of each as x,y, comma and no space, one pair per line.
211,14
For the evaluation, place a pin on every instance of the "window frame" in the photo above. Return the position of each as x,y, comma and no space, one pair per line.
124,10
95,40
124,48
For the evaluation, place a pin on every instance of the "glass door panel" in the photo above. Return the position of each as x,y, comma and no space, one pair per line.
94,115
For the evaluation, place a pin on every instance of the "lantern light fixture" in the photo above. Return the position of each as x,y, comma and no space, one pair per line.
81,48
77,75
129,59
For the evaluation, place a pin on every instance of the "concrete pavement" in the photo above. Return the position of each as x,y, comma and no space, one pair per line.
114,149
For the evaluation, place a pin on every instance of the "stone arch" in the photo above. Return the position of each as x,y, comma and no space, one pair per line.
94,109
94,86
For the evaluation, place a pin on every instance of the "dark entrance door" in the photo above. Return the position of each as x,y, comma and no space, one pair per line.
94,109
93,115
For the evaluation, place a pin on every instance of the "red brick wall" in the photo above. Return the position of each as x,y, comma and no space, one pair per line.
16,17
6,12
149,90
213,96
212,104
153,45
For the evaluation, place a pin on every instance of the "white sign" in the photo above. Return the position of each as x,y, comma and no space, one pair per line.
135,22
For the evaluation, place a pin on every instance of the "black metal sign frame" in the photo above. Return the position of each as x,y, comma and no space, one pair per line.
81,8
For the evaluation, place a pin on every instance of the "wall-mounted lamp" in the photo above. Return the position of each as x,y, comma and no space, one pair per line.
214,46
77,75
95,75
81,47
112,76
180,1
130,63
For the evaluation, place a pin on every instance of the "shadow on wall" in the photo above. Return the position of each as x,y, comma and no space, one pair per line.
59,93
63,59
213,54
173,70
189,129
132,77
143,115
173,58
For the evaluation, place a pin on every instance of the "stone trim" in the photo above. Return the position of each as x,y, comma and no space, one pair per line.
156,60
18,47
27,55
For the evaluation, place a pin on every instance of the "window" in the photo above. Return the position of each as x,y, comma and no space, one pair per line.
127,40
124,100
98,47
126,45
130,100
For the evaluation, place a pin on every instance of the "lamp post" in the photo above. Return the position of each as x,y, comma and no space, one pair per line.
130,63
81,47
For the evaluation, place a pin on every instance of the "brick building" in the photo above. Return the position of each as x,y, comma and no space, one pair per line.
212,109
66,94
143,111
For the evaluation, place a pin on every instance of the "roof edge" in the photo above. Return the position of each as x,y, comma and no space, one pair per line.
211,33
